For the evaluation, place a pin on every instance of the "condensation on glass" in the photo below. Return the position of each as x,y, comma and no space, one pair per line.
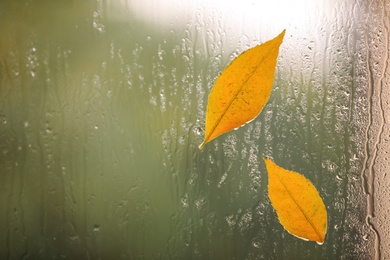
102,107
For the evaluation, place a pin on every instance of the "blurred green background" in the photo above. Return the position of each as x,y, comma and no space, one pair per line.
102,107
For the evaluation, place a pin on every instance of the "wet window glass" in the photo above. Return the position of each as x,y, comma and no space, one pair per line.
102,110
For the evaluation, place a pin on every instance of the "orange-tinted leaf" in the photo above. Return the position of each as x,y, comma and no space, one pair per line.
242,89
300,208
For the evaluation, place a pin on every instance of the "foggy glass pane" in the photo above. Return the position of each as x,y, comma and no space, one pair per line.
102,109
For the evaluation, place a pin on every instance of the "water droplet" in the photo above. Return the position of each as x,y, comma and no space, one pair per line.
96,228
256,244
198,130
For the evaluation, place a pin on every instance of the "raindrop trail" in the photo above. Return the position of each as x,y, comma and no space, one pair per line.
369,161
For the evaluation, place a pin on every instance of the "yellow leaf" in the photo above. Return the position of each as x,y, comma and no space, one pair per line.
242,89
300,208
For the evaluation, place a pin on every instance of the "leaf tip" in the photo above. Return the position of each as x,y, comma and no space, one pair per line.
281,36
202,145
283,33
267,160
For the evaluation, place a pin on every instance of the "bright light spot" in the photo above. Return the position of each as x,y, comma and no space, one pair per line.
238,16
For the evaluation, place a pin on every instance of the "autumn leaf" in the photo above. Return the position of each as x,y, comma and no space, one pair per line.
242,89
298,205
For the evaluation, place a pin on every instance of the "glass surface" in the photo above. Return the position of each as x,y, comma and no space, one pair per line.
102,108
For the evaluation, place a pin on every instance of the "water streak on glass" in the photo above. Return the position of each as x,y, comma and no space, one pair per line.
375,163
102,108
